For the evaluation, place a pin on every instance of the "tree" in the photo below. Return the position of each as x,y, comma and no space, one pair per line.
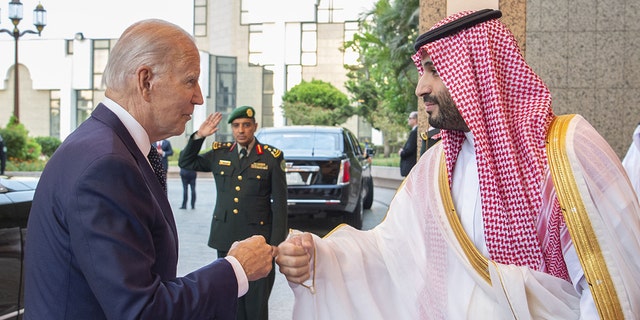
316,102
384,82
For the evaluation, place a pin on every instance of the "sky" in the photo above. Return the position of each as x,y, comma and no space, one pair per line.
97,18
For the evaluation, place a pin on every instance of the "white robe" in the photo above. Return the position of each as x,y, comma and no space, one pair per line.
631,160
411,266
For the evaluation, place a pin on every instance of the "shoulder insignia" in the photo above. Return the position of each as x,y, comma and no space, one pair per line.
259,149
220,145
275,152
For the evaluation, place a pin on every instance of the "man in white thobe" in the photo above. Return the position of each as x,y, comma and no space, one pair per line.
517,213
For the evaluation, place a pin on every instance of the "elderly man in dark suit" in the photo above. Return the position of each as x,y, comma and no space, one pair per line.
251,194
102,238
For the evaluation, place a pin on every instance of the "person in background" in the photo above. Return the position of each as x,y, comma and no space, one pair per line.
188,178
165,151
3,156
408,153
251,194
631,161
516,214
102,238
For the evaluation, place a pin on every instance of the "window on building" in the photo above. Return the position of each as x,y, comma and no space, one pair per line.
226,74
256,44
54,113
69,46
200,18
84,105
101,49
309,44
330,11
267,96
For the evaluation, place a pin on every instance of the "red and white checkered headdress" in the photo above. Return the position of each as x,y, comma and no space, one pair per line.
507,107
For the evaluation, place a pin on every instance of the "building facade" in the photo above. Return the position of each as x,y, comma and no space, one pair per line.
250,55
586,51
252,52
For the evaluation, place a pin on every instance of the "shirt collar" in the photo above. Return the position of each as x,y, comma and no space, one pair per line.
135,129
249,147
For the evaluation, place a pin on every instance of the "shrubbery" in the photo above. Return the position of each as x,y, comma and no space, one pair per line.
49,145
25,153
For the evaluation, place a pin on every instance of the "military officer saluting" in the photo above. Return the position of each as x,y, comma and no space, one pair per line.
251,194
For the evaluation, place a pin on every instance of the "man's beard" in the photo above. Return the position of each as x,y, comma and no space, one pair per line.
448,117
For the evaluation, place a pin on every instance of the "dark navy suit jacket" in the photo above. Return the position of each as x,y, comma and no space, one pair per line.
408,156
102,241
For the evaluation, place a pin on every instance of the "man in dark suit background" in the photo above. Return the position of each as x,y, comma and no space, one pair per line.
102,237
408,153
251,194
165,151
3,156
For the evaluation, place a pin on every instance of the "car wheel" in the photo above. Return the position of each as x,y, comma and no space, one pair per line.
368,199
355,218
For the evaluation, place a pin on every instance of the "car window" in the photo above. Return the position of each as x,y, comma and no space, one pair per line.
353,141
296,141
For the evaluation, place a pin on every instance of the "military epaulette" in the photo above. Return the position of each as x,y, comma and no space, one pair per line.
221,145
275,152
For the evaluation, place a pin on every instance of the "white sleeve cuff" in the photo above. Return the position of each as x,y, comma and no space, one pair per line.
243,282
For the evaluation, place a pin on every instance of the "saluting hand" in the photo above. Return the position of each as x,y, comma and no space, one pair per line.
210,125
294,257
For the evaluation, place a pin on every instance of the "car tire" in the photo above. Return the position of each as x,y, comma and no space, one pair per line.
355,218
368,199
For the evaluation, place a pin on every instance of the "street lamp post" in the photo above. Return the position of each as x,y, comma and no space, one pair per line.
15,15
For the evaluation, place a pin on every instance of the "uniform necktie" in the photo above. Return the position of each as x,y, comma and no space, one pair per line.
243,153
156,164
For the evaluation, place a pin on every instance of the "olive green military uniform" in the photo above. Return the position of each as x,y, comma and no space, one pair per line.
251,200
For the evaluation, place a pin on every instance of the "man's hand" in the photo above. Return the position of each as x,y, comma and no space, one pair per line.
255,256
210,125
294,257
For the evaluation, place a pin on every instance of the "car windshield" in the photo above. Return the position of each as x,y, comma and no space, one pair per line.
303,142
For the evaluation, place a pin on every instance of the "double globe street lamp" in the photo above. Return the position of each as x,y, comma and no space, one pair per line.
39,21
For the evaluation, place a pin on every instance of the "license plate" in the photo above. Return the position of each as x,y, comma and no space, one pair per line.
295,179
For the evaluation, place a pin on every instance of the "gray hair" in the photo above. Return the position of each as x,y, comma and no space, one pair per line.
151,43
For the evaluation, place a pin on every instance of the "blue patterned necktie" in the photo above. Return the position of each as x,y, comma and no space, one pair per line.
156,164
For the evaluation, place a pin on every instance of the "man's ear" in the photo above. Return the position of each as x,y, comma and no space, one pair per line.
144,76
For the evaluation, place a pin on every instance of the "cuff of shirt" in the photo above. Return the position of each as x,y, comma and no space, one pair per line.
243,282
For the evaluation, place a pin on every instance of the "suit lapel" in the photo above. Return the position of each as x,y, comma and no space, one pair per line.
106,116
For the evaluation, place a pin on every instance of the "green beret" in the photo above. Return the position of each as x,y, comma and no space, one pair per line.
242,112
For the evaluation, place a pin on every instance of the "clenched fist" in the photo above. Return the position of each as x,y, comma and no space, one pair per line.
294,258
255,256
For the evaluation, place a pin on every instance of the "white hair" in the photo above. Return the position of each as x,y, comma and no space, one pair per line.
151,43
